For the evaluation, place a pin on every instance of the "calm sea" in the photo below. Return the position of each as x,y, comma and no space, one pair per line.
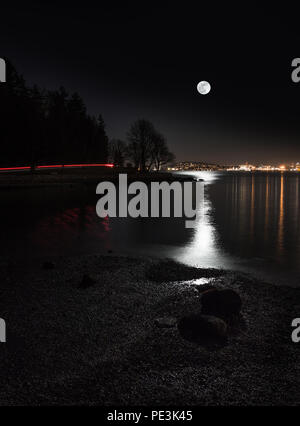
250,223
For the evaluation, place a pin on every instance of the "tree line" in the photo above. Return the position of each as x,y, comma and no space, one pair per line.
145,147
39,126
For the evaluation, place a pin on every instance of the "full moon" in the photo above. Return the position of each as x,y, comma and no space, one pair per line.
204,87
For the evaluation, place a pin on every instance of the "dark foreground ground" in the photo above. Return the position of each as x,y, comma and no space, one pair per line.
102,345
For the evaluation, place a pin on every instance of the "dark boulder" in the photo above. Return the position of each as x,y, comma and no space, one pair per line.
224,303
48,265
166,322
203,329
86,282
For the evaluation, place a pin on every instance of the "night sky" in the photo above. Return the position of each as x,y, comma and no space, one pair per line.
143,60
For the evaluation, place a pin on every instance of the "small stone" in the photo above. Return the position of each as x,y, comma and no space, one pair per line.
87,282
166,322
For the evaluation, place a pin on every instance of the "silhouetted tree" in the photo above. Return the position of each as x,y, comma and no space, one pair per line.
118,152
98,147
16,119
147,147
76,122
140,137
38,118
57,123
160,154
47,126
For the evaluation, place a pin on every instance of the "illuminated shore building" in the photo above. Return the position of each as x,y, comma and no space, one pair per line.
247,167
266,168
196,166
243,168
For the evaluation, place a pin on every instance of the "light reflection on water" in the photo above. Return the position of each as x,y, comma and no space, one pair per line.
199,282
248,222
203,249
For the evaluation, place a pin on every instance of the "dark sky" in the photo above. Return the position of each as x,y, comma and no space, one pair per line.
143,60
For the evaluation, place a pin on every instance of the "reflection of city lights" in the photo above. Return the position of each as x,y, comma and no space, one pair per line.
265,168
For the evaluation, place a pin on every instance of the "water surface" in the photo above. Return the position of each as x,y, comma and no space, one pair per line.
250,222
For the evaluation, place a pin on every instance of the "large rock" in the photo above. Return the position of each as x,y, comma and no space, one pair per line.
86,282
203,328
223,303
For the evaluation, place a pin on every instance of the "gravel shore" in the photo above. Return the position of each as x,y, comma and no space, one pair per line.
98,340
82,177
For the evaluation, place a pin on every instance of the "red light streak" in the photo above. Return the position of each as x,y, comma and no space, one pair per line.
49,167
60,166
14,168
88,165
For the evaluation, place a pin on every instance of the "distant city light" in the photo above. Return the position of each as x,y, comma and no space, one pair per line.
246,167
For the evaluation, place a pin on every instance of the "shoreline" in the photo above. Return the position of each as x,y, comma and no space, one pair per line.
82,177
100,344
